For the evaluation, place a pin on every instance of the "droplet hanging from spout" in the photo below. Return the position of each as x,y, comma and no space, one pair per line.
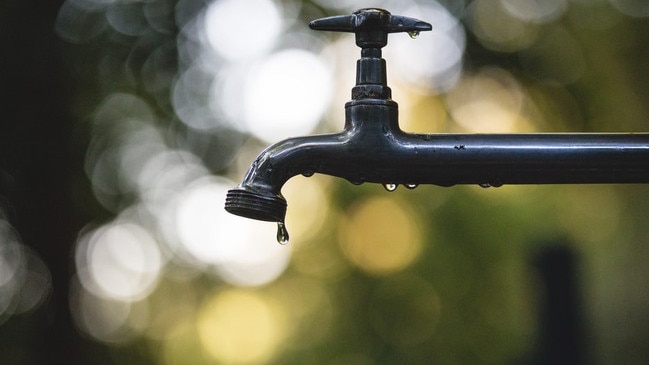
413,34
282,233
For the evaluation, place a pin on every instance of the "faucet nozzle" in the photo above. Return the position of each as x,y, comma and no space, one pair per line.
255,205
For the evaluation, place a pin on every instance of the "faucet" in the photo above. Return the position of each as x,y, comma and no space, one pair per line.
372,148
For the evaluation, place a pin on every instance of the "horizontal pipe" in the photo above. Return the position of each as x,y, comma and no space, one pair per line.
522,159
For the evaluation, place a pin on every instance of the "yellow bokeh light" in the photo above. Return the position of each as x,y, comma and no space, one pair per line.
492,101
181,346
309,207
420,113
240,327
497,29
380,235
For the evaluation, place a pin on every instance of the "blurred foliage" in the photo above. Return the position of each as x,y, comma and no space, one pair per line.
429,275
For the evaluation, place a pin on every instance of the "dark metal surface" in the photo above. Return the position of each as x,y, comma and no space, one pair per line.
372,148
371,26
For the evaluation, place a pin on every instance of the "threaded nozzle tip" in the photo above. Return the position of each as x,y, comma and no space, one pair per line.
249,204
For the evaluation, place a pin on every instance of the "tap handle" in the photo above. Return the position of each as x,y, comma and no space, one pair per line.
371,26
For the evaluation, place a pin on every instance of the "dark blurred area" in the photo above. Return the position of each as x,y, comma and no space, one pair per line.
124,122
38,159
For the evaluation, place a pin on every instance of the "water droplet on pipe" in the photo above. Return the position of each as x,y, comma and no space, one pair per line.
390,187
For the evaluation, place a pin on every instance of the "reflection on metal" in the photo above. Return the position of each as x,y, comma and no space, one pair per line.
372,147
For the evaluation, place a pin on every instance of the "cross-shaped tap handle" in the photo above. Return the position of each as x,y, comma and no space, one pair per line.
371,26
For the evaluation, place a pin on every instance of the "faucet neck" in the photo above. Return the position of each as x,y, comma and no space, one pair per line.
371,105
371,27
371,76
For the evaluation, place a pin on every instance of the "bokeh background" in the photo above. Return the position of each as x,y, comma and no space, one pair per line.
124,122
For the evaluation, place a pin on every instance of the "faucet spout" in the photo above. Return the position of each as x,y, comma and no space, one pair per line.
259,194
344,154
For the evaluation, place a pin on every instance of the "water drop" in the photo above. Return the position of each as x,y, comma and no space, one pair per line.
308,173
411,186
485,185
282,233
390,187
413,34
496,183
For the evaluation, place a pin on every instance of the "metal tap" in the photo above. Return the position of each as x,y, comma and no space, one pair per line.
372,148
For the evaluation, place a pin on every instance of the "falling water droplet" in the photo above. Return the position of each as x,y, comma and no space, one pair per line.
413,34
282,233
390,187
485,185
308,173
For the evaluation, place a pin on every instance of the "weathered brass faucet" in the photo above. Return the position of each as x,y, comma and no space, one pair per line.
372,148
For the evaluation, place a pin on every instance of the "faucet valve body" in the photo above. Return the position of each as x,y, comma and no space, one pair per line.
258,196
